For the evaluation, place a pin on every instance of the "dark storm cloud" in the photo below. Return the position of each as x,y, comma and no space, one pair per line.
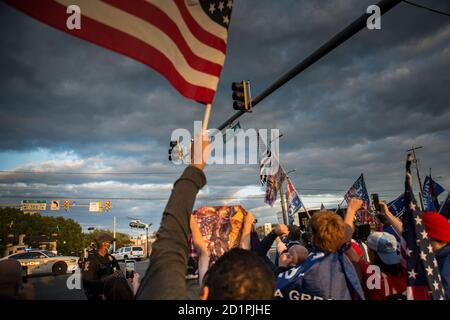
357,110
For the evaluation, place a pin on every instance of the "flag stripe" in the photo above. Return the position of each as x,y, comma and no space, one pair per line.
55,15
125,33
147,33
198,55
196,20
210,40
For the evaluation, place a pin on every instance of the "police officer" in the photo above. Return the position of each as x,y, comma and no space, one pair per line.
98,266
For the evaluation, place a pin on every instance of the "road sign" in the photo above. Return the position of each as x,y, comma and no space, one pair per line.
31,205
55,205
96,206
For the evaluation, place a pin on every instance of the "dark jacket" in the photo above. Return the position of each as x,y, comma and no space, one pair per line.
95,270
165,276
443,259
264,248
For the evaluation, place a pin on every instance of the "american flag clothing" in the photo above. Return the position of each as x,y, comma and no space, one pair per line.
184,40
423,277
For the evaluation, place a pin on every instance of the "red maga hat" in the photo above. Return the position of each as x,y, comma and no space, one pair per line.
437,226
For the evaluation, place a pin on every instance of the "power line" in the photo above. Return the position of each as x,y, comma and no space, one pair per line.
426,8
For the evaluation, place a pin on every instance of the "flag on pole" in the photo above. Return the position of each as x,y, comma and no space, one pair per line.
293,200
358,190
445,209
271,191
184,40
423,280
431,190
397,207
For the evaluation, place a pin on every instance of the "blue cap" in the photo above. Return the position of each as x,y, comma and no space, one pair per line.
385,245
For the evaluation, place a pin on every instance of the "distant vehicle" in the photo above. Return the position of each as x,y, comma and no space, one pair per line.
45,262
129,253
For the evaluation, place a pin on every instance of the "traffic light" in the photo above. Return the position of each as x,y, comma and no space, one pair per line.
241,95
107,205
66,205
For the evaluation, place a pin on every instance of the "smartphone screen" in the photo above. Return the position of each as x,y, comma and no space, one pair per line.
129,268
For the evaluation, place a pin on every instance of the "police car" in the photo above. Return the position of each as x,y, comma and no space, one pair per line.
45,262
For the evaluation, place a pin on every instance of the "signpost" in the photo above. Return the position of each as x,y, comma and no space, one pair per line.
96,206
33,205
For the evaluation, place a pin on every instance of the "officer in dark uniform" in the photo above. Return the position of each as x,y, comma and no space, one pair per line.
98,266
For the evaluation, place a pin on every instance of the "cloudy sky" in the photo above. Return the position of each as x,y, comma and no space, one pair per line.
70,106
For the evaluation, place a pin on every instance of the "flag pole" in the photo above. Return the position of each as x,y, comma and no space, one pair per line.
206,116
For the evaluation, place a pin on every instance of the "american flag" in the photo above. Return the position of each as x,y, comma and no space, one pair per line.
184,40
265,161
423,279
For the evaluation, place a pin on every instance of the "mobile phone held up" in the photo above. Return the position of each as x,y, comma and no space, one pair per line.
129,268
376,202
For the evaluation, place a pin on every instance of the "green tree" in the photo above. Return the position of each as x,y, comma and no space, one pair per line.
122,239
14,222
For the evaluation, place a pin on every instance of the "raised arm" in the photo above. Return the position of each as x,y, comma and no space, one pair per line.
165,276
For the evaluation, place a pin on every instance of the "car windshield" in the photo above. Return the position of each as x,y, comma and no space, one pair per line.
49,253
137,249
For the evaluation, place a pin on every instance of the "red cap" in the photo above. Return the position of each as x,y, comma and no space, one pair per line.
437,226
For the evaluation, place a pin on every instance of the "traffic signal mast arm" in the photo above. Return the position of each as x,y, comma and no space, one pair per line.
352,29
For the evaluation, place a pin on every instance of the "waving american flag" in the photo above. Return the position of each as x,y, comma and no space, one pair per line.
423,278
184,40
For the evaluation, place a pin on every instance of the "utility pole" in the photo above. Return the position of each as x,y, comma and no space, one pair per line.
419,179
114,233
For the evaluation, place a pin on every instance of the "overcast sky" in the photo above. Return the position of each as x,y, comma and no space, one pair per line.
70,106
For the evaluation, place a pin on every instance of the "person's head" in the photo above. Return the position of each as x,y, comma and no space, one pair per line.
11,282
104,242
327,231
383,246
437,228
295,255
295,234
238,275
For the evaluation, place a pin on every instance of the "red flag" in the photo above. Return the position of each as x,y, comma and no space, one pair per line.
184,40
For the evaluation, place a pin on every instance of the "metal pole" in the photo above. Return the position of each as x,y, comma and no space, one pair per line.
419,179
114,233
330,45
146,241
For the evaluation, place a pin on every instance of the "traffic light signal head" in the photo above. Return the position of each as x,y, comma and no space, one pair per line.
66,205
107,205
241,95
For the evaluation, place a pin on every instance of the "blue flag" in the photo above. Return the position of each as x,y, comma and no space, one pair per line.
445,209
294,203
397,207
431,190
358,190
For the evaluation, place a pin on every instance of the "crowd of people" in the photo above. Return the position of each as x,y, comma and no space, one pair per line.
323,262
